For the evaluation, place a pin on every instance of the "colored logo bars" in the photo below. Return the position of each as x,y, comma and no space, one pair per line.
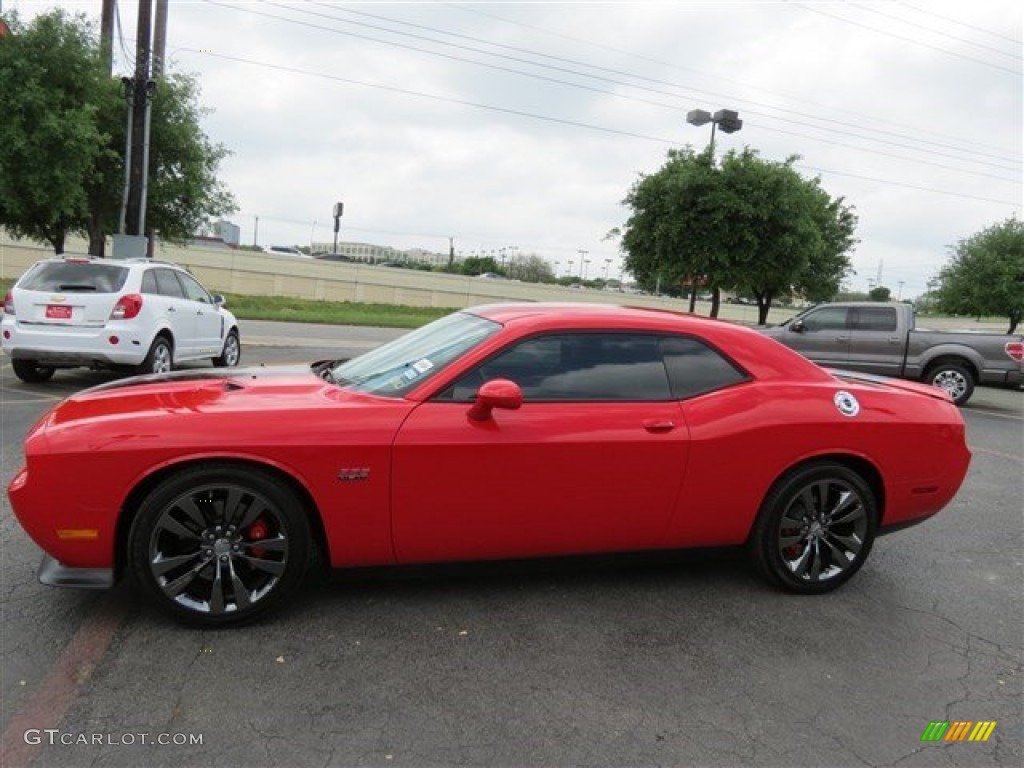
959,730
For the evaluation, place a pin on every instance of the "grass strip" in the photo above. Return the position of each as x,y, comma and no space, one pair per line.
332,312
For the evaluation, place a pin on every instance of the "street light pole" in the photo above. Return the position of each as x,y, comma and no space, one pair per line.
583,255
730,122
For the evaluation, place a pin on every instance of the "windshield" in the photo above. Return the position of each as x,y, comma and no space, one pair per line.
406,362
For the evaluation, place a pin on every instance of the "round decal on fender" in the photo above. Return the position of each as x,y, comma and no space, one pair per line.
846,403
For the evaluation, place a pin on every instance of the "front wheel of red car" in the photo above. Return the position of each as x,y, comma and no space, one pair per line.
219,545
815,528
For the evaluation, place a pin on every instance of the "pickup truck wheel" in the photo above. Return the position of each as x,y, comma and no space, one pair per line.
957,380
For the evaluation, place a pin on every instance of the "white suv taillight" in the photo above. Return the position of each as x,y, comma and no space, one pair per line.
9,303
127,307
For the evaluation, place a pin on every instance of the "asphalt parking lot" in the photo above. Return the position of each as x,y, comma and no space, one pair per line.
655,660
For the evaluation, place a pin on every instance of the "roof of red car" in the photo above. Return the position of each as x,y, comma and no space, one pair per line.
765,357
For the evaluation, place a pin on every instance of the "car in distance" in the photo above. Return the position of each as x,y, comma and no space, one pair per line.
285,250
504,431
881,338
135,314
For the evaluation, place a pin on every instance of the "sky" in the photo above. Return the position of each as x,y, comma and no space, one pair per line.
523,125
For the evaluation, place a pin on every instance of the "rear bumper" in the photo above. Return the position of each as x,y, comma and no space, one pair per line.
64,346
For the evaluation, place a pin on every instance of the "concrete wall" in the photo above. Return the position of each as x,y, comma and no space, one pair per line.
230,271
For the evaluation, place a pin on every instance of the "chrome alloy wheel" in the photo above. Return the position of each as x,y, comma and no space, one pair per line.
953,381
823,530
231,351
218,549
161,359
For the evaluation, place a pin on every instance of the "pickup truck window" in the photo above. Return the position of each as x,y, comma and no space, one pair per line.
874,319
825,319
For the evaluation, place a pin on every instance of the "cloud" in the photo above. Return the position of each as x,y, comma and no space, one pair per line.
906,110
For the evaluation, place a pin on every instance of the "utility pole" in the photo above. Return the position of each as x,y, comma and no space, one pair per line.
159,39
583,255
140,140
107,35
451,252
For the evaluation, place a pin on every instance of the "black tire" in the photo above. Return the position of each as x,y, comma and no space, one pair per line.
231,353
815,528
31,372
160,358
219,545
953,377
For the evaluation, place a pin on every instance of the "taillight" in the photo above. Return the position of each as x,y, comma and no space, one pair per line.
127,307
1014,349
9,303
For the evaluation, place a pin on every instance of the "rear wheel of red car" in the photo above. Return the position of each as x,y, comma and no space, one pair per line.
31,372
956,379
160,358
220,544
815,528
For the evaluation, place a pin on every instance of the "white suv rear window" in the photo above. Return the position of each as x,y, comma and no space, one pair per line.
70,276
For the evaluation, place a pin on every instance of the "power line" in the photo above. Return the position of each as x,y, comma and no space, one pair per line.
801,115
908,39
1015,56
911,6
875,118
556,120
320,27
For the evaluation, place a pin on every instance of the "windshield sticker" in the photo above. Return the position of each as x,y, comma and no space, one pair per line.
410,374
422,366
846,403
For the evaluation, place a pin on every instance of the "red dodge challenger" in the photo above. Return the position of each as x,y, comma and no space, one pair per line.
504,431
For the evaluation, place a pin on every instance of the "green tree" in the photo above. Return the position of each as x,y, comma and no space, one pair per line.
531,269
753,226
477,265
879,293
61,156
52,81
985,274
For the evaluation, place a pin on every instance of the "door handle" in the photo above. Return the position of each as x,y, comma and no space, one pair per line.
894,339
659,425
171,309
842,338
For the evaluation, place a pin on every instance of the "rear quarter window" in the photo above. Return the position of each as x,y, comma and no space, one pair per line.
694,368
68,277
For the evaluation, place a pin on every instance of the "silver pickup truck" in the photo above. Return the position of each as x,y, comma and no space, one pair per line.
881,339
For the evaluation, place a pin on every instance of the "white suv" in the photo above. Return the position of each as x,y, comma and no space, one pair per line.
104,313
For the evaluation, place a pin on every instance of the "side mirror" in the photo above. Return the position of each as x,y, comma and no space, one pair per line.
218,300
797,326
496,393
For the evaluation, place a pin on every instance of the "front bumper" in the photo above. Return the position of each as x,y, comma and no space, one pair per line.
54,573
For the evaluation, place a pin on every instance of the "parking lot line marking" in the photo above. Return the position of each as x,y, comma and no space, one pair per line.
996,415
1000,454
51,700
39,399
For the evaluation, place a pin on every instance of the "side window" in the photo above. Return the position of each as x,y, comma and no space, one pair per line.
694,368
875,319
193,290
167,284
149,282
578,366
826,319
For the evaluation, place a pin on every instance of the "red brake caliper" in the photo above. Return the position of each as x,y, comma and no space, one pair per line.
256,532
